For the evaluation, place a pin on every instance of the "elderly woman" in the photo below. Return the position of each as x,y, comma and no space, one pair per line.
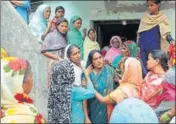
62,86
55,43
74,35
102,79
114,51
90,43
38,24
16,84
129,49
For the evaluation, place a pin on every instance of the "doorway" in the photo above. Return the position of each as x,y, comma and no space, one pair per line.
123,28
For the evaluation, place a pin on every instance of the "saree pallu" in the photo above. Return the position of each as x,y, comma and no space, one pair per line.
103,83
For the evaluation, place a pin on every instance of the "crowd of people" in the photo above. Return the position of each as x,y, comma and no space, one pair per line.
131,82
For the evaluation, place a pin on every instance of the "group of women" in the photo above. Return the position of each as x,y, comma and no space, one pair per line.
126,85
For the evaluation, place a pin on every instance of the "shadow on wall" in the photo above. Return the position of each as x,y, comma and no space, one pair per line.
18,41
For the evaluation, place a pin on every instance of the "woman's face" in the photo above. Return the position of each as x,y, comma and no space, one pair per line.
63,27
75,56
27,86
97,61
151,63
125,51
47,13
91,35
59,13
115,43
77,24
152,7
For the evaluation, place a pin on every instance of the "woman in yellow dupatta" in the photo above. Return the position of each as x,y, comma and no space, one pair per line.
90,43
154,31
16,84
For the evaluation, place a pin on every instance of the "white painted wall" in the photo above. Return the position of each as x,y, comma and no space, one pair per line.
95,10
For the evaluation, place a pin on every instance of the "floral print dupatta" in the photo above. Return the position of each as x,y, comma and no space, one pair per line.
16,106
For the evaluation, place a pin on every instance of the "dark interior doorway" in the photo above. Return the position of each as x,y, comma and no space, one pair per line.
107,29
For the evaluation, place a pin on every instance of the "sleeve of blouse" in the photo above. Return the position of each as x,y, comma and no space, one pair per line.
81,93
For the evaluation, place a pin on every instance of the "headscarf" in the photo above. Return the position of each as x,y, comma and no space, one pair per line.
59,100
38,23
133,110
149,21
113,52
3,53
17,105
132,72
56,40
75,36
77,70
132,48
90,45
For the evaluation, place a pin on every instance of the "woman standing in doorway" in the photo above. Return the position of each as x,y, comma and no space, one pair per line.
90,43
114,51
154,31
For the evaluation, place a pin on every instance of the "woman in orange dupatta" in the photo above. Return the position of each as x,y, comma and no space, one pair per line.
130,83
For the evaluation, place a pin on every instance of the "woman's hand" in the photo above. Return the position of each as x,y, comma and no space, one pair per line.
88,70
87,120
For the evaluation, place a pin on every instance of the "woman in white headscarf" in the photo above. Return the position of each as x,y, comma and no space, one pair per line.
16,84
80,91
39,22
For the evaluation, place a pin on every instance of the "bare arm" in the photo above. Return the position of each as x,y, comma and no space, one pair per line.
102,99
17,3
87,120
51,56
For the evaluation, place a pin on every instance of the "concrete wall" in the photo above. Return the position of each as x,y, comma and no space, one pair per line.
113,10
18,41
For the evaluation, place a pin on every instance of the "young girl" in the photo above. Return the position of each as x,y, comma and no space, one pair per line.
154,31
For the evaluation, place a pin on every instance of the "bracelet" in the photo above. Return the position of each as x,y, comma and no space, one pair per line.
165,117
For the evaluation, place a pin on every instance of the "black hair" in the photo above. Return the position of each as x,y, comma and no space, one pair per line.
90,57
70,50
124,39
163,58
155,1
59,7
28,72
90,30
60,20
